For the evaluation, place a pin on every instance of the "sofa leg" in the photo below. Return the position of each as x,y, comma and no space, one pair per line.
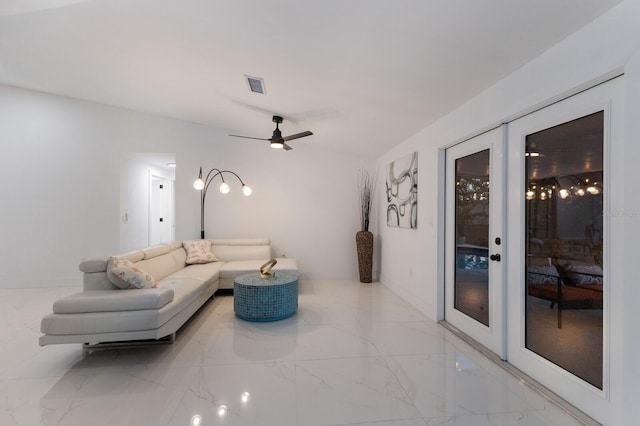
167,340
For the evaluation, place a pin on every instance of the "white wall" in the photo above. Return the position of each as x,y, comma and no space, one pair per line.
61,200
630,219
410,258
305,200
60,181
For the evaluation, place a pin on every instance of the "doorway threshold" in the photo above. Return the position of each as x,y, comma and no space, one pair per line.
533,384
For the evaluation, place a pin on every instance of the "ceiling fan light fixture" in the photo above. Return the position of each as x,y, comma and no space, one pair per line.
276,140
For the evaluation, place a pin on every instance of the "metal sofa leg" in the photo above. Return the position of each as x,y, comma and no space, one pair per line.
167,340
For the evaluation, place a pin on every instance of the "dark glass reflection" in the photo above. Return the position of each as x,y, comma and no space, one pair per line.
471,289
564,246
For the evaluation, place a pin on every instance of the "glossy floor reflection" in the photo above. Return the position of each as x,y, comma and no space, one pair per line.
354,354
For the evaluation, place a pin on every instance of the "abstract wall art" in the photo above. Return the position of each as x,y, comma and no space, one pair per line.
402,192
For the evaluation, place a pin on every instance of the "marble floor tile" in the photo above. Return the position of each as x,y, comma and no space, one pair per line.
413,337
252,394
454,384
349,390
411,422
527,418
332,341
353,354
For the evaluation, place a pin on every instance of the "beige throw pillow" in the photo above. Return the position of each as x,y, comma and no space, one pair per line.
199,251
128,275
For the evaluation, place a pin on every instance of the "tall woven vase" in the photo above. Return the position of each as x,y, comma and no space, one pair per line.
364,245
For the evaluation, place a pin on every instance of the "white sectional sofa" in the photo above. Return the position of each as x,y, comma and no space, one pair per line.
104,313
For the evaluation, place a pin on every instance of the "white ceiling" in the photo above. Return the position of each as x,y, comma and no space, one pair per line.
363,75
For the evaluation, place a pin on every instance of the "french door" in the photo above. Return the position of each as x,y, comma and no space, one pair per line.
474,241
545,304
562,250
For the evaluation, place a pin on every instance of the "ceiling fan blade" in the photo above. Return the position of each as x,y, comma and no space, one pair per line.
249,137
286,147
297,136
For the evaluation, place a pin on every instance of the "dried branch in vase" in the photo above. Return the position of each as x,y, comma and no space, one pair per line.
367,185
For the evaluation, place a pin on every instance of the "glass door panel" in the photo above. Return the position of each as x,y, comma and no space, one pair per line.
471,287
564,245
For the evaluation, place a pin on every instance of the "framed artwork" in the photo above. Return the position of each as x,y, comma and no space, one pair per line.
402,192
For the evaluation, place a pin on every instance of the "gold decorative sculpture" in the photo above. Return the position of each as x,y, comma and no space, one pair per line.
264,270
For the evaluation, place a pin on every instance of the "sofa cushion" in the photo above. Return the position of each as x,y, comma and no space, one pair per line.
155,251
230,253
89,266
542,274
134,256
97,281
585,275
127,275
239,267
199,251
100,264
185,290
241,242
113,301
100,322
206,272
179,256
164,265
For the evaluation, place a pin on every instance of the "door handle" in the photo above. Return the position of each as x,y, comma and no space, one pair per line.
495,257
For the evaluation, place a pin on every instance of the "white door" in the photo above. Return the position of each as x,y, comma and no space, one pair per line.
561,245
474,239
161,208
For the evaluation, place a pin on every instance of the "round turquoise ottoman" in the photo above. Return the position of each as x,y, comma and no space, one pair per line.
273,299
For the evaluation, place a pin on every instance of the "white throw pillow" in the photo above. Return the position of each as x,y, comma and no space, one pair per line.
199,251
129,275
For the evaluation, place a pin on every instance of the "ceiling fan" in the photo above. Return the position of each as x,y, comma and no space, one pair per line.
277,140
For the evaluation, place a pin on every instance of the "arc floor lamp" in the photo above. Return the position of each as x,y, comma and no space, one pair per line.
203,186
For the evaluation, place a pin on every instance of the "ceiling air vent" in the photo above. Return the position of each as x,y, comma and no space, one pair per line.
256,85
